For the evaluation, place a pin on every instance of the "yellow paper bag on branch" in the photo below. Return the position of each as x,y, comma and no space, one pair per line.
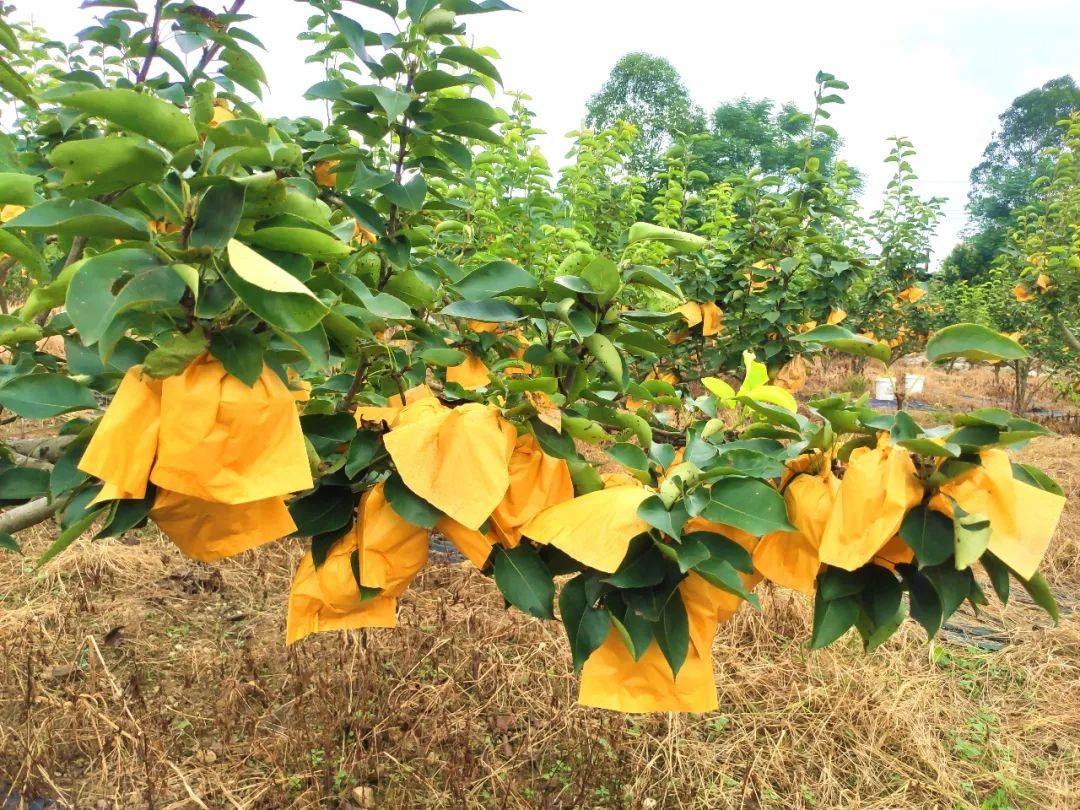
791,559
612,679
389,552
455,459
878,488
537,481
223,441
1023,518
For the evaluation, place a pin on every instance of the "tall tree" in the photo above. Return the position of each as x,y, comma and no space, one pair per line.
1003,182
759,134
648,92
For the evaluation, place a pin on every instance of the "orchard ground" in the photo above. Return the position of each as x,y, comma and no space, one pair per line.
134,677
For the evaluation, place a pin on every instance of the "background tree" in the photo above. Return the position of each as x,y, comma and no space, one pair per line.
747,134
647,91
1003,182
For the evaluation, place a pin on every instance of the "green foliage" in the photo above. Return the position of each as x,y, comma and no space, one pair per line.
415,236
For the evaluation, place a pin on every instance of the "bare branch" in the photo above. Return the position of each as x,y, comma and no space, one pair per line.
27,515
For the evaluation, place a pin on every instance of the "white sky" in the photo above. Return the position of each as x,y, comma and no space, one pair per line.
938,71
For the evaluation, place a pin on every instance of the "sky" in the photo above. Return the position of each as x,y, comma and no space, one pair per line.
937,71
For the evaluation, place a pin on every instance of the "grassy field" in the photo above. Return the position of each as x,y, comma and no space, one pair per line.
133,677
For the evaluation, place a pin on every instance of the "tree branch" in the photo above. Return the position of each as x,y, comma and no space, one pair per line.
1070,338
152,47
210,51
27,515
47,449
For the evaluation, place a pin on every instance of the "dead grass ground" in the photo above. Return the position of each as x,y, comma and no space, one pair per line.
133,678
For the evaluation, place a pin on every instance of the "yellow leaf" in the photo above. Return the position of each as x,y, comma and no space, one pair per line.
723,392
595,529
774,395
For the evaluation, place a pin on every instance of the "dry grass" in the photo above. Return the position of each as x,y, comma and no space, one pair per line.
133,677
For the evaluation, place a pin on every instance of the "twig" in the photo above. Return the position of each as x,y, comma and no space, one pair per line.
354,388
152,47
92,642
187,787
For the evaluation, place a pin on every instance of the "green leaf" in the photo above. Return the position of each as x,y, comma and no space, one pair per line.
470,59
70,535
679,241
495,279
354,37
1039,591
747,504
642,567
127,514
328,431
240,351
17,188
928,447
610,358
23,483
929,534
15,84
81,218
1036,478
487,310
926,606
43,396
325,510
9,543
408,196
651,277
603,276
220,210
392,102
586,626
836,583
673,633
972,342
843,340
108,163
409,505
66,474
139,113
525,581
428,81
832,619
723,548
175,354
952,586
91,303
881,595
28,257
636,633
689,551
653,512
629,455
270,292
972,536
443,358
721,574
999,575
303,241
366,447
